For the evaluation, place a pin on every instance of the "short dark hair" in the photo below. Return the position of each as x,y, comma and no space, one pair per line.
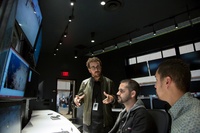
93,59
132,85
178,70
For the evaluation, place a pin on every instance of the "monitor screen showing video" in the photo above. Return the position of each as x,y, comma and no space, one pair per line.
14,76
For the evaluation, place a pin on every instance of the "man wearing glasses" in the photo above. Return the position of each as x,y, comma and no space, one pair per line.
96,95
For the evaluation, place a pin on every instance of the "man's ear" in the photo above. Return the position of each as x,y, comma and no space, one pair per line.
133,93
168,81
89,70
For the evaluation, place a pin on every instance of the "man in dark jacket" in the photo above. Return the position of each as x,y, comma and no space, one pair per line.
134,118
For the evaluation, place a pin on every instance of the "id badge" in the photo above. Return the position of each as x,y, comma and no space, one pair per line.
95,106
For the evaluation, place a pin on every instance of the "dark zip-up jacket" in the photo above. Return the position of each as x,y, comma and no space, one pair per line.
137,120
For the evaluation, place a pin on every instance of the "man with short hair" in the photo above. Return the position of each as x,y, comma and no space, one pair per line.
172,85
96,93
134,118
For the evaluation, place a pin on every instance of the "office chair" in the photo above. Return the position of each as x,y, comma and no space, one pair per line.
162,120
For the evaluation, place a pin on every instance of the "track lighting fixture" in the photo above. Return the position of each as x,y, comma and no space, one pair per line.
75,54
154,32
91,53
175,24
103,3
70,18
130,40
72,2
92,37
65,34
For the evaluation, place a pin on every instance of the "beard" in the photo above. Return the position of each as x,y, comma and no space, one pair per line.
96,74
123,100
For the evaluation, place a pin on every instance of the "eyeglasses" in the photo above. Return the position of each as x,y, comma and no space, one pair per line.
94,68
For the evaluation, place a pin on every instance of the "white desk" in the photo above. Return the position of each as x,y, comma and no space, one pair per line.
48,121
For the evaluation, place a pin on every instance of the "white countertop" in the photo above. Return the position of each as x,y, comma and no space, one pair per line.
48,121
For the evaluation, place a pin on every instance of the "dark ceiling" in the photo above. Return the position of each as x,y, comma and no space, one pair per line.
113,23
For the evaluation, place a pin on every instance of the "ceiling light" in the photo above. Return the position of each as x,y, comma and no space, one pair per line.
70,18
75,54
65,34
175,24
154,32
60,42
92,37
91,53
130,40
72,2
112,5
103,3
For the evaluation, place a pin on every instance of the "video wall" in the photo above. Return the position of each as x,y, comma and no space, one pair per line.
18,77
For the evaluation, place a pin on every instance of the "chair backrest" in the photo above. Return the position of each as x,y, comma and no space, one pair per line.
162,120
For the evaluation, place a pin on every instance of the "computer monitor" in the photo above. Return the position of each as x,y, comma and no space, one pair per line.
193,59
10,117
159,104
31,90
29,18
147,103
148,90
137,70
15,74
38,46
153,65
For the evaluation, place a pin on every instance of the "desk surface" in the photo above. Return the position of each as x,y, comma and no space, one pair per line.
48,121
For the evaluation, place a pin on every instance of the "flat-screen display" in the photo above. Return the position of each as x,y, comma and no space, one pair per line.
137,70
195,86
38,45
147,103
193,59
147,90
14,76
159,104
153,65
31,90
10,118
29,18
